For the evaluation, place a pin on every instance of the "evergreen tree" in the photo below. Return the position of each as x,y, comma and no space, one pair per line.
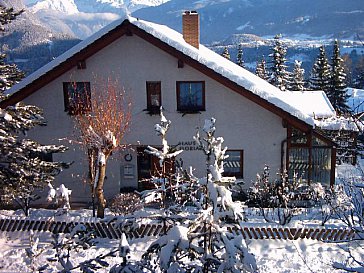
9,73
298,82
226,53
337,94
261,70
320,78
279,76
22,168
239,57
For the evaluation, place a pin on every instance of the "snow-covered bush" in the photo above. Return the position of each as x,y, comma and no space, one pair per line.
278,199
203,242
61,196
164,184
126,203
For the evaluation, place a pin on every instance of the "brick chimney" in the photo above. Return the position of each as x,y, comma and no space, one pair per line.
191,28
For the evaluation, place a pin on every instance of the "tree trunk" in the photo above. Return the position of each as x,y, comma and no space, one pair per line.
101,202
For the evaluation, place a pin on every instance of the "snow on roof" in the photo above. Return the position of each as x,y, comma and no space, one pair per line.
314,103
338,123
284,100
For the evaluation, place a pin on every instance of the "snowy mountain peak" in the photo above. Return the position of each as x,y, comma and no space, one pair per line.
64,6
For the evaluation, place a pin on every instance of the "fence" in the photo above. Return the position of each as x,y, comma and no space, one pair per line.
110,230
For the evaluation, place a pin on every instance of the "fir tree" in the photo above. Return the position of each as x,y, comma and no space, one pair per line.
261,70
321,72
239,57
337,93
9,73
298,81
279,76
226,53
22,168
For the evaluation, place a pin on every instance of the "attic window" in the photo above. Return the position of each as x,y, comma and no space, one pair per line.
191,96
77,97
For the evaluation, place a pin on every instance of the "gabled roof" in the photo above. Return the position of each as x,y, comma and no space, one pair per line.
203,59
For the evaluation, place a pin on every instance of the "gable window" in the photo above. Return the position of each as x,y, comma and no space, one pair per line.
77,97
154,98
233,165
191,96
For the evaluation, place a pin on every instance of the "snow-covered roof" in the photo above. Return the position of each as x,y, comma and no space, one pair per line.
338,123
314,103
286,101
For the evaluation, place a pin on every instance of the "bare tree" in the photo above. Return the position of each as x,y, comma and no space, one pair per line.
102,126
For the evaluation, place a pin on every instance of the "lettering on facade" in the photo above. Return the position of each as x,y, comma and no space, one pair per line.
188,146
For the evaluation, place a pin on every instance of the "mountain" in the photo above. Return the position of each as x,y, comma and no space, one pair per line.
81,18
28,42
293,18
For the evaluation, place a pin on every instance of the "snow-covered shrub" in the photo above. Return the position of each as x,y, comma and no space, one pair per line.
61,197
345,201
126,203
278,199
203,242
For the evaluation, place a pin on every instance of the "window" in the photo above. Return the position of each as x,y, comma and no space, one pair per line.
191,96
154,99
77,97
233,165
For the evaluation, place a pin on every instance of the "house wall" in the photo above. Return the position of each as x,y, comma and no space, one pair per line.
242,123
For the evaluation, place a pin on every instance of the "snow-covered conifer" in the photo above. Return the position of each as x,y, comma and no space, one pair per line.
337,93
261,70
320,78
239,56
226,53
203,242
23,168
9,73
298,81
279,77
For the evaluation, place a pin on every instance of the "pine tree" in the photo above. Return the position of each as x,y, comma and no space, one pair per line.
337,93
239,57
9,73
279,76
320,78
298,82
22,168
226,53
261,70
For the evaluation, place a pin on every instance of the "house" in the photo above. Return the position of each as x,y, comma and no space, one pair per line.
159,66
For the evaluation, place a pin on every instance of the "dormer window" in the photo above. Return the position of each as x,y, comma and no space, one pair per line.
77,97
191,96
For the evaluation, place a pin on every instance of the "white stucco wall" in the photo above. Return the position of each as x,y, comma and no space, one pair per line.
243,124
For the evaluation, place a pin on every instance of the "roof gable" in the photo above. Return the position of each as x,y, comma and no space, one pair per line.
203,59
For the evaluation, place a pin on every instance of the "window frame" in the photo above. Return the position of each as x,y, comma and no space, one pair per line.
74,108
241,172
153,109
190,109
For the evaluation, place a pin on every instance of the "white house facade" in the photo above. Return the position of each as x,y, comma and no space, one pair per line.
159,67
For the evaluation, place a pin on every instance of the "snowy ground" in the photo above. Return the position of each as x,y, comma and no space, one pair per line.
275,256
